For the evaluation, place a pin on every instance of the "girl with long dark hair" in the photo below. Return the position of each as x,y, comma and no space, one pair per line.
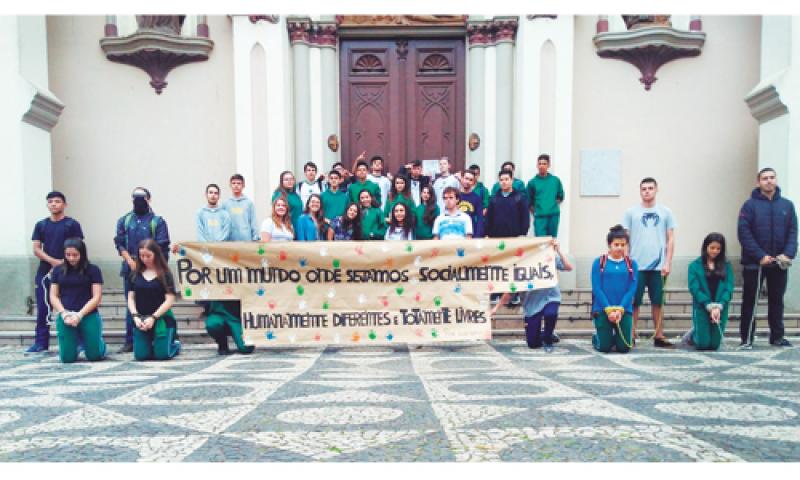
711,286
348,226
401,223
150,299
425,213
373,226
400,193
312,225
77,287
614,277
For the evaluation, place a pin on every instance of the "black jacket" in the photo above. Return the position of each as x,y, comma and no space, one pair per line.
507,216
767,227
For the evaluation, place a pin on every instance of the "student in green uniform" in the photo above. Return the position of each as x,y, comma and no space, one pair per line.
77,286
480,188
426,213
287,189
361,183
711,286
399,193
372,225
546,194
224,319
150,299
334,199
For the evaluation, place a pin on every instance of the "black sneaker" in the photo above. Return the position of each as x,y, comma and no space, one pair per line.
745,346
555,338
781,343
126,348
662,343
223,351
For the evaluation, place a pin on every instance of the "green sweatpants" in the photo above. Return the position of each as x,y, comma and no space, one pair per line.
707,335
151,345
607,334
220,323
91,329
546,225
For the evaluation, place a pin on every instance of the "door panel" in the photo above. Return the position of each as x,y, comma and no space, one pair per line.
403,100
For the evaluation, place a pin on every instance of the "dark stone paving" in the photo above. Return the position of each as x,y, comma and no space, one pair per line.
465,402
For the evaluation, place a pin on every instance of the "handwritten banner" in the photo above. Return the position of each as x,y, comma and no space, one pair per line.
364,292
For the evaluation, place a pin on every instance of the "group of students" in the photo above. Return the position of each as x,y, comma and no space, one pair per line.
407,207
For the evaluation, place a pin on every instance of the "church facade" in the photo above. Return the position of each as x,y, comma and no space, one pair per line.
98,105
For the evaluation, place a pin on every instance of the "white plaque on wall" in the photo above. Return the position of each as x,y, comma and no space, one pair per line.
601,173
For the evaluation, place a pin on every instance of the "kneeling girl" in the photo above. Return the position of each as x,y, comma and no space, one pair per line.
613,287
75,295
150,299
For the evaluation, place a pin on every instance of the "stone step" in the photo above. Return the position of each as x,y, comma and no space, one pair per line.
22,323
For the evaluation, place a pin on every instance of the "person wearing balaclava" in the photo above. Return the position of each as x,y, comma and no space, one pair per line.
133,227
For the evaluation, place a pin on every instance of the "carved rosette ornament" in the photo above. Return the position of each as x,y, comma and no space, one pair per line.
648,44
157,47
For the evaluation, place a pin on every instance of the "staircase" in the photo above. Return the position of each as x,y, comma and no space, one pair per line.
574,319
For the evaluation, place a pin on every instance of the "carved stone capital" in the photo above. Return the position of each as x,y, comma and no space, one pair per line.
299,29
324,34
479,33
505,29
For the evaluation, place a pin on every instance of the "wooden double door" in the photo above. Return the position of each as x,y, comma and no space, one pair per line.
403,99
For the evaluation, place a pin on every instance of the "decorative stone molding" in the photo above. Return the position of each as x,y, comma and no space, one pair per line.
505,29
156,53
324,34
274,19
400,20
299,29
44,112
648,48
492,32
534,17
765,103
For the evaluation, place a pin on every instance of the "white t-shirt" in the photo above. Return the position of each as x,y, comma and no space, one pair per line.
279,234
440,184
447,226
384,183
397,234
305,190
648,229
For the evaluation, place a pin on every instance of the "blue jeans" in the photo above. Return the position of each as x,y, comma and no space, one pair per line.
533,326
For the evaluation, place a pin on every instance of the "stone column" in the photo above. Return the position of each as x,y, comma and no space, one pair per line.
478,36
29,113
299,36
325,38
253,36
506,29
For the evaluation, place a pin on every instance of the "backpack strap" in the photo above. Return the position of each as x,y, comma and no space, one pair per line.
603,260
153,224
629,264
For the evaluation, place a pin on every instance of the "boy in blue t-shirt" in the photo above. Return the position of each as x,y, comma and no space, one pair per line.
48,245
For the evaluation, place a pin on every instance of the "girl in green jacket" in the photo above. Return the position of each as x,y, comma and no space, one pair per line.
286,188
711,286
426,213
399,193
372,225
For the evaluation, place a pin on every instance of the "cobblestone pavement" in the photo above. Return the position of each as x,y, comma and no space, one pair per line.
468,402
